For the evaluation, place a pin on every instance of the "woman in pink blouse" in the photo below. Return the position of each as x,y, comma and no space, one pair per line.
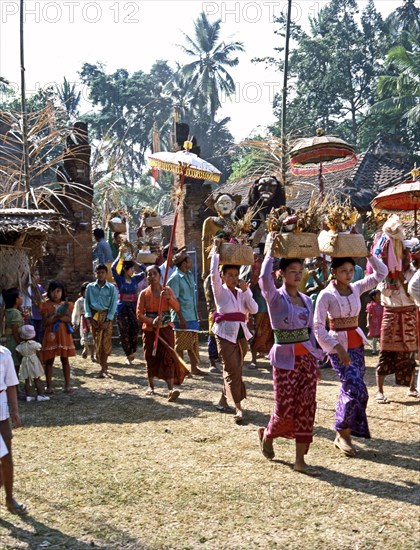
233,300
344,343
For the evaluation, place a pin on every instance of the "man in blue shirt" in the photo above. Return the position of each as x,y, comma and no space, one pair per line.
102,252
100,306
186,320
164,266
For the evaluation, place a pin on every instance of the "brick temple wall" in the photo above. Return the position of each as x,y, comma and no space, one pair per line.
189,230
68,255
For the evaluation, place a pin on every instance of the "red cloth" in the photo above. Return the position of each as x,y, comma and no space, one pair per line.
374,311
294,401
236,316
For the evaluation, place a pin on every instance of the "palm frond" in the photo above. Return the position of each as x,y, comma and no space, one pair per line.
47,151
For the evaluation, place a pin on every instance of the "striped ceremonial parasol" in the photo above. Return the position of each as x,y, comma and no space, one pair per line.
309,155
405,196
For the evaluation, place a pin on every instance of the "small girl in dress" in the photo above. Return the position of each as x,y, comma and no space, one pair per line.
374,311
79,320
30,367
13,320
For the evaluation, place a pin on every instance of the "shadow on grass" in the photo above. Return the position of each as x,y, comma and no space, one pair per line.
42,533
378,488
392,453
406,491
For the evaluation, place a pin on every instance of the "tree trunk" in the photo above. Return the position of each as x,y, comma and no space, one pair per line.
25,152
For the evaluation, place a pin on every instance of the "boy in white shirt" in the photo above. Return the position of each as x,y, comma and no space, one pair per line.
8,402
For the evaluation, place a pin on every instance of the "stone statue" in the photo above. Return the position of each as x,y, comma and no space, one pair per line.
225,205
264,194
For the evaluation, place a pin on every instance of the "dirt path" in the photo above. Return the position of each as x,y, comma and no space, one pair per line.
108,467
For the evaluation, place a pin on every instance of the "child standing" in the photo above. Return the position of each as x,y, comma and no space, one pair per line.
8,408
374,311
36,291
58,341
79,320
30,367
13,320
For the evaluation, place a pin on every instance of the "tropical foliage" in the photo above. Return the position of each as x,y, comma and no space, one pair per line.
399,92
341,67
352,74
207,75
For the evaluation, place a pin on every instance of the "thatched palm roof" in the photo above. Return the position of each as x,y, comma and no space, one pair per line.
29,221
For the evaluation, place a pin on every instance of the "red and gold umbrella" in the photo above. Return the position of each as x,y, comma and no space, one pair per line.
185,164
405,196
309,155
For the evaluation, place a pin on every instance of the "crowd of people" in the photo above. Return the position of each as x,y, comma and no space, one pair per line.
301,315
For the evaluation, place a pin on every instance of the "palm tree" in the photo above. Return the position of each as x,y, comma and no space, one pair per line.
207,75
69,98
400,93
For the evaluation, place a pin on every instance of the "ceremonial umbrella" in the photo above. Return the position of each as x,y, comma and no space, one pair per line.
405,196
308,155
187,164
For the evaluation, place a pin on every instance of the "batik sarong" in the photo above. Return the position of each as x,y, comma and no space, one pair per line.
399,329
165,364
398,344
103,336
232,355
128,327
353,396
294,401
187,340
400,363
263,339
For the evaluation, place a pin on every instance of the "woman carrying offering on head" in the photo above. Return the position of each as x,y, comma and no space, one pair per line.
344,343
233,300
294,357
127,282
165,365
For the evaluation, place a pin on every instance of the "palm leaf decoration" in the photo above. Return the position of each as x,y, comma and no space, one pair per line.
47,186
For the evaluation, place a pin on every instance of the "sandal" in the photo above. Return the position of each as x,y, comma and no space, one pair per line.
253,366
199,372
173,395
223,408
341,444
381,399
413,393
239,417
150,392
15,508
266,451
312,472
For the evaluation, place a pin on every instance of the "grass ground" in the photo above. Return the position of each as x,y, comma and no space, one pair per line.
107,467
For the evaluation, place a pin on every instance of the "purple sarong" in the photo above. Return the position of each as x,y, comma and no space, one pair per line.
353,396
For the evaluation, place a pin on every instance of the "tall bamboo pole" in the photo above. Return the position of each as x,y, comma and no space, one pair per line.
25,151
284,95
